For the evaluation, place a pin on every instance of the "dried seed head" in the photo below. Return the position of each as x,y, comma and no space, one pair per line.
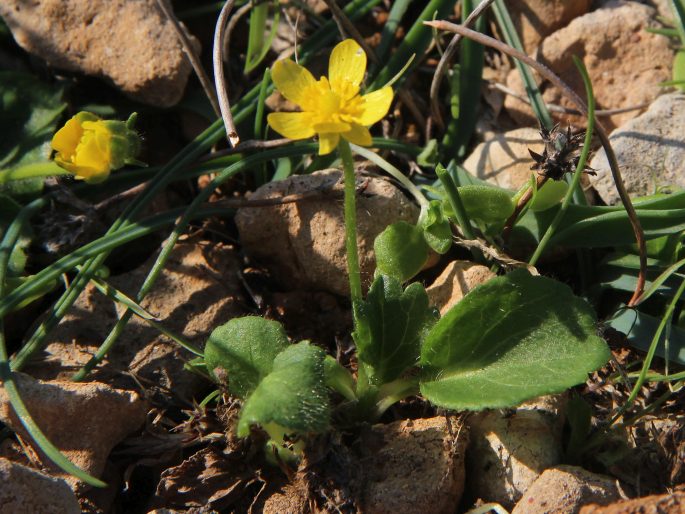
561,153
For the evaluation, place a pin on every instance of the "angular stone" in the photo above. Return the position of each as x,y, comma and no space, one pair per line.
130,43
303,242
510,449
504,160
536,19
564,490
650,150
657,504
27,490
624,61
411,466
457,280
84,420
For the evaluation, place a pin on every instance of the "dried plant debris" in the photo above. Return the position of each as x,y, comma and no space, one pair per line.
561,153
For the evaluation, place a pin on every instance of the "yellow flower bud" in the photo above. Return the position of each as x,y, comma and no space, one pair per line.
91,148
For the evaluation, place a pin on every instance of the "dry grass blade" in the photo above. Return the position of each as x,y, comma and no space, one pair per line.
580,104
192,57
219,81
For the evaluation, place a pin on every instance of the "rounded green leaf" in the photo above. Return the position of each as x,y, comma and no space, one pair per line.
401,251
292,396
436,228
511,339
245,348
549,195
487,204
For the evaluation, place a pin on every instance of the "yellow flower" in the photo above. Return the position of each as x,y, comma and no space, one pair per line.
90,147
331,107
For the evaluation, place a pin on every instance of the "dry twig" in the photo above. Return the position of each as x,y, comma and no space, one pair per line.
190,52
219,81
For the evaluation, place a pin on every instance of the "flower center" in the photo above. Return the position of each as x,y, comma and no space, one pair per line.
337,106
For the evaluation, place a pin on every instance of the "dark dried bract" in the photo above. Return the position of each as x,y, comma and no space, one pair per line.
561,153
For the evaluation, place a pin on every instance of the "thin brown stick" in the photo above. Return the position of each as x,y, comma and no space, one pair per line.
446,59
247,146
565,110
242,203
219,80
192,57
601,132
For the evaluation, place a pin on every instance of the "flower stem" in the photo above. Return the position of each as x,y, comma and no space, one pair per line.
351,223
33,170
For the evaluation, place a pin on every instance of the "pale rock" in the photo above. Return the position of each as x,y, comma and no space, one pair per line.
564,490
504,159
673,503
412,466
128,42
625,63
509,450
27,490
650,150
456,281
198,290
536,19
303,242
83,420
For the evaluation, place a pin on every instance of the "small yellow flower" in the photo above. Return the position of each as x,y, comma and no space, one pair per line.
331,107
90,147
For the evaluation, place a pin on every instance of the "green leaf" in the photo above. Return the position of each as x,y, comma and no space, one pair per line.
549,195
401,251
679,69
511,339
8,211
292,396
391,324
487,204
246,349
257,44
29,110
436,228
640,329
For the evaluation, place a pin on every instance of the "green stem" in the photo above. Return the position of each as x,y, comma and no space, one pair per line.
393,392
350,207
455,201
33,170
558,218
394,172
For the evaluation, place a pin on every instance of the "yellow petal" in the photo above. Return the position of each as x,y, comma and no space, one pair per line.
92,156
294,82
346,68
293,125
328,142
375,106
67,138
358,135
331,126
